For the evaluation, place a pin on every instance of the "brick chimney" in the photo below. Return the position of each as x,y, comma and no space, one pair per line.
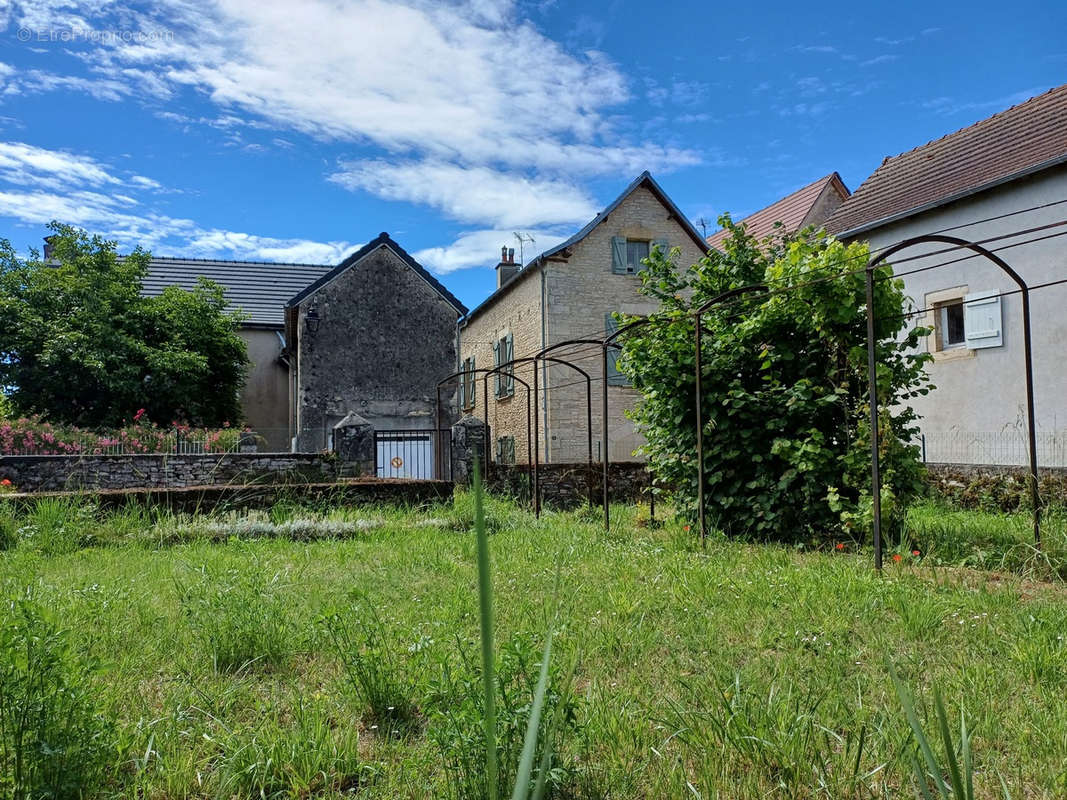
507,268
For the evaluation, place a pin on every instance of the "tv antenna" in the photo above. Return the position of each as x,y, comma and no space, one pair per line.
524,238
703,223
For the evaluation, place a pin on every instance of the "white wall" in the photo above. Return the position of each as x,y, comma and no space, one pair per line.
977,412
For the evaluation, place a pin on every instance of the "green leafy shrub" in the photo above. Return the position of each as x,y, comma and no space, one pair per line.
456,710
785,414
239,616
372,668
54,742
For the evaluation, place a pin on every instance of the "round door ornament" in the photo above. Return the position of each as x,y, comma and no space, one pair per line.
397,462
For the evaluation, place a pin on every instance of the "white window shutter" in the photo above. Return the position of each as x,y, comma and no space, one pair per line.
982,320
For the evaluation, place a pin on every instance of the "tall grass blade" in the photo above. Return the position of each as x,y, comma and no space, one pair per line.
950,751
485,610
529,747
920,737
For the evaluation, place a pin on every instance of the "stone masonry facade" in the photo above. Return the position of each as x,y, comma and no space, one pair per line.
579,289
384,338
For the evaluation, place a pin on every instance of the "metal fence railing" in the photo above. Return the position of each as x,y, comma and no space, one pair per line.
993,448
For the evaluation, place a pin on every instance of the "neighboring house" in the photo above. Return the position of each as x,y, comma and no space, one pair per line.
810,205
372,335
993,179
568,292
260,290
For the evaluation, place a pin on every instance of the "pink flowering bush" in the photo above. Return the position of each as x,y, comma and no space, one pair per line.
33,436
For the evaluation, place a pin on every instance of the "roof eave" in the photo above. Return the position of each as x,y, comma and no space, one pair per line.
952,198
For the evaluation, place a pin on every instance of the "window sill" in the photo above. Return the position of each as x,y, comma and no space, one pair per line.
953,354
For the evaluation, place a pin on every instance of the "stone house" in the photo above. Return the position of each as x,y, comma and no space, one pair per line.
810,205
569,291
990,182
325,341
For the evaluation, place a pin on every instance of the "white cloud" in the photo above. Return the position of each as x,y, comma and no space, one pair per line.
471,194
109,216
459,80
480,115
481,248
28,165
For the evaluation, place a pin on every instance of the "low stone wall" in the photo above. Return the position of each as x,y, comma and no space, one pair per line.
75,473
568,485
202,499
994,488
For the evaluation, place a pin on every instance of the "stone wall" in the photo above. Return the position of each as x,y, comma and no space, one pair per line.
992,488
70,473
383,340
568,485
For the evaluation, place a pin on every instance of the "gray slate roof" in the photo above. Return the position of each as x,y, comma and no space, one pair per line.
259,288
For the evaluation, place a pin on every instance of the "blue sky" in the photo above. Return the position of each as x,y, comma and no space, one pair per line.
296,131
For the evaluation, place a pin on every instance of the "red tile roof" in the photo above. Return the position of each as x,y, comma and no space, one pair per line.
794,211
1013,143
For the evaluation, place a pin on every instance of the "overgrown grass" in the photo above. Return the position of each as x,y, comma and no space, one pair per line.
742,671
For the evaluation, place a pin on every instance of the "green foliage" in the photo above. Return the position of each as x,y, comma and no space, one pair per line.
58,525
775,737
786,429
54,743
82,321
305,757
239,616
488,733
952,779
372,668
456,708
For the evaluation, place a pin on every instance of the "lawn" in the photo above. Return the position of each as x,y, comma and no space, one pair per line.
326,653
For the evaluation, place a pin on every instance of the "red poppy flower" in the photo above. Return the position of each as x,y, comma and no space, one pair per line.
915,552
840,545
685,528
896,556
5,482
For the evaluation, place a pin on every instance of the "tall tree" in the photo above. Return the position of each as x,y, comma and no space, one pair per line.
80,344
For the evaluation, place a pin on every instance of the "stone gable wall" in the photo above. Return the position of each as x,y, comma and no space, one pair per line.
385,338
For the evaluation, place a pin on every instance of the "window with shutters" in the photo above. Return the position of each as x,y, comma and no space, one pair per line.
615,377
627,255
468,385
963,321
505,450
504,352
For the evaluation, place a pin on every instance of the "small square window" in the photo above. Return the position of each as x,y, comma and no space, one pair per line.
950,321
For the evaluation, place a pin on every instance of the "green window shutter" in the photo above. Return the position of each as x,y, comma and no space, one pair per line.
474,384
496,363
510,377
615,378
463,385
663,246
618,255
